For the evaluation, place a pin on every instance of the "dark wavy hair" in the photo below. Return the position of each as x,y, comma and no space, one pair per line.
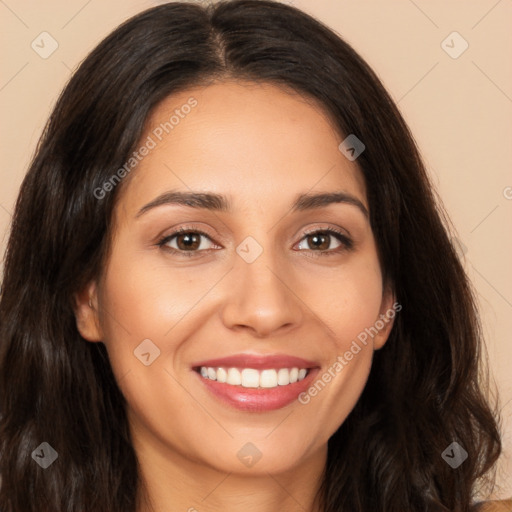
427,387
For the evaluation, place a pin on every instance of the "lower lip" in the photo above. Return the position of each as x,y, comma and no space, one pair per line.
258,399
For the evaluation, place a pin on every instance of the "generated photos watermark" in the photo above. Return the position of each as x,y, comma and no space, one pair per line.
343,360
151,142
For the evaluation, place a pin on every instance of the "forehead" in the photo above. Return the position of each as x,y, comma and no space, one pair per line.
252,142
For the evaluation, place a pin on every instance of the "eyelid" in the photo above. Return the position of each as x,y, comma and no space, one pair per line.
337,229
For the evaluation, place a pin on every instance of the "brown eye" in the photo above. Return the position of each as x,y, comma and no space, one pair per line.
319,242
187,242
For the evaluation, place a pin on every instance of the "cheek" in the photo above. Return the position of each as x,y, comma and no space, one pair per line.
140,292
145,298
348,299
350,309
147,301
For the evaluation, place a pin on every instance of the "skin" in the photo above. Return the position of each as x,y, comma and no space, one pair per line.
261,146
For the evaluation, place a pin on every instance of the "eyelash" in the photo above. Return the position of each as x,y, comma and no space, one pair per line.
347,243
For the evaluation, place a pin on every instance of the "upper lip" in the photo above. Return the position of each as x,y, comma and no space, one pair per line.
258,362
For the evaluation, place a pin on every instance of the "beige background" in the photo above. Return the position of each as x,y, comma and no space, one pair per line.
459,110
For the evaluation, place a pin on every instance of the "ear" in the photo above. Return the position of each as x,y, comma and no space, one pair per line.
388,310
86,313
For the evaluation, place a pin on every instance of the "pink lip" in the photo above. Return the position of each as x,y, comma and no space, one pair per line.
258,362
258,399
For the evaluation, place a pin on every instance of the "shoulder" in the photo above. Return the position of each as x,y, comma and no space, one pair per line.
494,506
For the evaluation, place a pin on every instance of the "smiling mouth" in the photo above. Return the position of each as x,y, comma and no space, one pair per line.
253,378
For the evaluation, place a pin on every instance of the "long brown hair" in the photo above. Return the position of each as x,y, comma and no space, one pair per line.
424,390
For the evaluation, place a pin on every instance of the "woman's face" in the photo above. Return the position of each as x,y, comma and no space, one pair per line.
258,287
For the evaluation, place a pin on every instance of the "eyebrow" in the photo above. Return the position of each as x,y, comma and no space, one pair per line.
217,202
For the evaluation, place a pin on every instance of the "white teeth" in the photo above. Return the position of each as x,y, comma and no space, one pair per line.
283,377
268,379
222,375
234,378
251,378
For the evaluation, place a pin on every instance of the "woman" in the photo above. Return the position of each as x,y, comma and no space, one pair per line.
228,286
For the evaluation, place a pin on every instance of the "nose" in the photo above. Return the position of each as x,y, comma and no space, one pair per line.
260,298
